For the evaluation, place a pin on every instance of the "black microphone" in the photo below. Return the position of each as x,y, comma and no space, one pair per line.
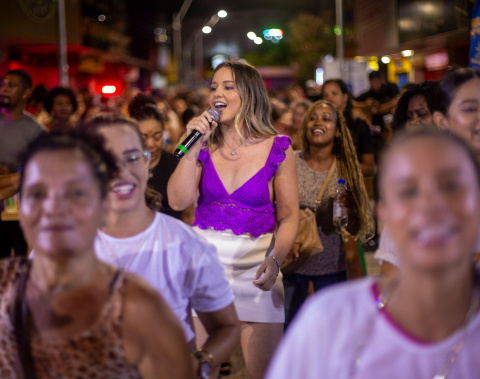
182,149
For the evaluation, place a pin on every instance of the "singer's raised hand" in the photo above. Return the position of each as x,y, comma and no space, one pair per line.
203,124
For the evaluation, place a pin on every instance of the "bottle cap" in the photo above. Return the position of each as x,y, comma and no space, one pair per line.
341,181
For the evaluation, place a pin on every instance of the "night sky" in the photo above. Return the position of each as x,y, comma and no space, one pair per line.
229,34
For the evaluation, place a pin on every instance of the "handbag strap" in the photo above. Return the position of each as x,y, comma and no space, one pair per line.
325,183
21,322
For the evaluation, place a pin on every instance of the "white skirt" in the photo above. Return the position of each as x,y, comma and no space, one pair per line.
241,256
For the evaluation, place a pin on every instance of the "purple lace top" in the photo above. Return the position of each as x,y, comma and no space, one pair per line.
246,210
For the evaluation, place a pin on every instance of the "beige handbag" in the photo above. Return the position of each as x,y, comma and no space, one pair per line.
308,243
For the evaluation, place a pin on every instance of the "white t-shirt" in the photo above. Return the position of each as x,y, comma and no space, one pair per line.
181,265
343,323
387,251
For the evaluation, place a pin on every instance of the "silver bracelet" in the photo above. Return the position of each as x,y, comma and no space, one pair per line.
276,261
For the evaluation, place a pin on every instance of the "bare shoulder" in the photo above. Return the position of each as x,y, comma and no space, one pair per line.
145,302
154,339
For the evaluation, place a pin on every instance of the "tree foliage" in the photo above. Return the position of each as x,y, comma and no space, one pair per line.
309,37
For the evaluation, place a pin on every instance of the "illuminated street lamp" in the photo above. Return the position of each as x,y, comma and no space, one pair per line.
197,40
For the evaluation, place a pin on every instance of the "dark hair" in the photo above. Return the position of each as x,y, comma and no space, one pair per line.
427,132
189,113
102,163
374,75
347,113
38,95
426,89
347,165
143,107
24,76
407,86
57,91
449,85
105,120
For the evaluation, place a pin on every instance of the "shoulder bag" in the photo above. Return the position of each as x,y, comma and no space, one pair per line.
308,243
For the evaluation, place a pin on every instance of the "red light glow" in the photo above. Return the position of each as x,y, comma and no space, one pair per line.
109,89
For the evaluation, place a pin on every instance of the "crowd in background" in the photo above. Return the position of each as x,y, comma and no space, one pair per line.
296,141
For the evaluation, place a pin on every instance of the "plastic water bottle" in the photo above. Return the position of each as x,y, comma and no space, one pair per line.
340,214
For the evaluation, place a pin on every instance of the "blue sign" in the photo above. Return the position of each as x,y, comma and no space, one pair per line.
474,61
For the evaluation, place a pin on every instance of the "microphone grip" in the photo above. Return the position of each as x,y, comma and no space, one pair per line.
182,149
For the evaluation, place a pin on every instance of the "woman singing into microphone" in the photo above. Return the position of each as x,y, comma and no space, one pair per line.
245,174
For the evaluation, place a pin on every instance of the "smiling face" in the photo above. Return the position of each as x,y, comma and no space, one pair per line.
430,202
321,127
464,113
224,95
61,205
127,190
152,134
418,112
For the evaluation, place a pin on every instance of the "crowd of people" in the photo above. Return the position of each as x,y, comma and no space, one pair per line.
129,262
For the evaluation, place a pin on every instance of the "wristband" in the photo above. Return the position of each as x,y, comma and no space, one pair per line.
276,261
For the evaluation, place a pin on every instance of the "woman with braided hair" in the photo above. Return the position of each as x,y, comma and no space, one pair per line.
327,142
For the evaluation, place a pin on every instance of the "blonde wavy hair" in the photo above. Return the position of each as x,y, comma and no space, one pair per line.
348,168
253,119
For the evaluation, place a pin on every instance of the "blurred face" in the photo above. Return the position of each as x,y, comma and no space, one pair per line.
12,93
321,127
376,84
224,95
127,190
62,107
152,134
61,205
431,204
464,113
179,106
297,116
334,95
417,111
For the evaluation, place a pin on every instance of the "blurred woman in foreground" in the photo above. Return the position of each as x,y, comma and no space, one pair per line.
424,323
65,314
457,110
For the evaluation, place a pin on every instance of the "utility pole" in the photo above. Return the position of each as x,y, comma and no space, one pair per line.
177,38
62,44
339,30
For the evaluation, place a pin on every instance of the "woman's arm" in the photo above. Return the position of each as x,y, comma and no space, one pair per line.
183,183
367,165
9,185
153,338
285,187
223,330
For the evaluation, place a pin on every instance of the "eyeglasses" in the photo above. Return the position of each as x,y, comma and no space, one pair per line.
133,159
